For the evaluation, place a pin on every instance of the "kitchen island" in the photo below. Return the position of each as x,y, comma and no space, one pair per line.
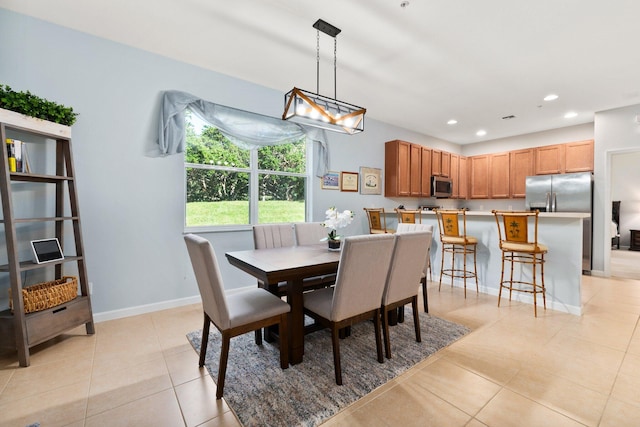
562,232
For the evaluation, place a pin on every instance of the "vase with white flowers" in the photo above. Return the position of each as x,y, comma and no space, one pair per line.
335,220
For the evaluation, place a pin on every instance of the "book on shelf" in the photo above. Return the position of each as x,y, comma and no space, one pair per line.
17,153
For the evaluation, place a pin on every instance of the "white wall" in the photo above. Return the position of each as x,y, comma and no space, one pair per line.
625,175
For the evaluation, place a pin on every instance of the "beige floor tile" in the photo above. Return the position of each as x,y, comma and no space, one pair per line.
634,344
408,404
564,344
475,423
57,407
619,414
123,386
626,389
461,388
576,402
160,409
228,419
631,366
35,380
183,367
511,409
197,399
484,359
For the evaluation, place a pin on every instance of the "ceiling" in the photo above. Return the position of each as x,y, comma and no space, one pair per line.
415,67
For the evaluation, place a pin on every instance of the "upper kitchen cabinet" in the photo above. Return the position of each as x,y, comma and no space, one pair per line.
521,166
549,159
463,178
479,171
499,175
455,172
403,169
425,174
440,163
579,156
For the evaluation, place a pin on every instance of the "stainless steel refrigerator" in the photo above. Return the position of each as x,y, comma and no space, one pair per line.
570,192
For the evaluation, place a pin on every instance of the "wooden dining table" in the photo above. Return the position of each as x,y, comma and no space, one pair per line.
291,265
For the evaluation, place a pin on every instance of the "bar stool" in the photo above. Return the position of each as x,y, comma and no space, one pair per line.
513,232
409,216
377,221
455,243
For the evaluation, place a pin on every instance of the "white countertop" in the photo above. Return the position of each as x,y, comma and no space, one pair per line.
542,215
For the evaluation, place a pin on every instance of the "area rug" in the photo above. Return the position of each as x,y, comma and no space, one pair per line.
262,394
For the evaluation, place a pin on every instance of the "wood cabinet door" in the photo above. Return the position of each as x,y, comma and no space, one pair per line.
479,171
463,178
445,163
397,163
499,176
455,165
436,162
425,174
549,159
415,172
521,165
579,156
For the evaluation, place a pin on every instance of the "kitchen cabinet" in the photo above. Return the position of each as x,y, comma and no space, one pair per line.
455,169
499,176
463,178
549,159
446,164
440,163
415,170
579,156
479,176
521,166
403,169
425,174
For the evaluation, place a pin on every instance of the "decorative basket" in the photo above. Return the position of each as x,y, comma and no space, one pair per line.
47,294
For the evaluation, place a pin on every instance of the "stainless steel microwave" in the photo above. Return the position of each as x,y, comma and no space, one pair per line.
441,187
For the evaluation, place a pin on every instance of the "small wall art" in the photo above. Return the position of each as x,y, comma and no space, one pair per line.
370,180
331,181
349,181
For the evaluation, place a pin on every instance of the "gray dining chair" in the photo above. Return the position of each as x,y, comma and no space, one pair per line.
408,227
362,273
407,266
235,314
309,233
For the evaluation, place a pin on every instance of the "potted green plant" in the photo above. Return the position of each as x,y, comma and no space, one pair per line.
31,105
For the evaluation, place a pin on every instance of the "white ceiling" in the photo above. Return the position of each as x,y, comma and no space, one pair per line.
415,67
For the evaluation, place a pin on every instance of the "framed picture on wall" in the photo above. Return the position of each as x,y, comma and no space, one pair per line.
331,181
349,181
370,180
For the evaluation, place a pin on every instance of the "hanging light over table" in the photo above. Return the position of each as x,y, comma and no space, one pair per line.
313,109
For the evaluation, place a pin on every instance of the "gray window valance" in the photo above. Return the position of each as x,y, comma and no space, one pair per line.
245,129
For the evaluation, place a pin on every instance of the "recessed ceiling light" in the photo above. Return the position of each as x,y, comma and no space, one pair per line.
570,115
551,97
452,122
481,132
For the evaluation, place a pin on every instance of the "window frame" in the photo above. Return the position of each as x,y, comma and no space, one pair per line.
254,176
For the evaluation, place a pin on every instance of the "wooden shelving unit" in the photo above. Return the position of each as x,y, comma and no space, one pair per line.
18,330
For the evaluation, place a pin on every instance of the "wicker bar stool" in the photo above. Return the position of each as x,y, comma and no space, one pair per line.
513,232
456,243
410,216
377,221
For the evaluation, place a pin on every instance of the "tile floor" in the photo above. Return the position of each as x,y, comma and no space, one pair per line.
512,370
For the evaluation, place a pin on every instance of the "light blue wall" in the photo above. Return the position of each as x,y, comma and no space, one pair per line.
132,203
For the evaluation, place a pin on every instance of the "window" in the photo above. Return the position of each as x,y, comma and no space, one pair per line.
229,185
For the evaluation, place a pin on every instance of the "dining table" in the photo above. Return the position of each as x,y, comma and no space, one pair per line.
291,265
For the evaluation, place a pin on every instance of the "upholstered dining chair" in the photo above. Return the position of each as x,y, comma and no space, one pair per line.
408,228
407,266
377,221
235,314
362,273
309,233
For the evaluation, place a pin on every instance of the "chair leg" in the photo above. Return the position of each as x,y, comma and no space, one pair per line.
425,300
441,268
222,368
284,341
205,339
501,280
376,324
544,291
335,341
475,267
416,318
385,333
258,336
464,269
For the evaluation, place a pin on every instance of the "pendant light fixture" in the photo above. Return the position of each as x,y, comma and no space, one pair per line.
315,110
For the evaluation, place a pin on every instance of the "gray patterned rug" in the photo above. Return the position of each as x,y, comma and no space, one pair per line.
262,394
